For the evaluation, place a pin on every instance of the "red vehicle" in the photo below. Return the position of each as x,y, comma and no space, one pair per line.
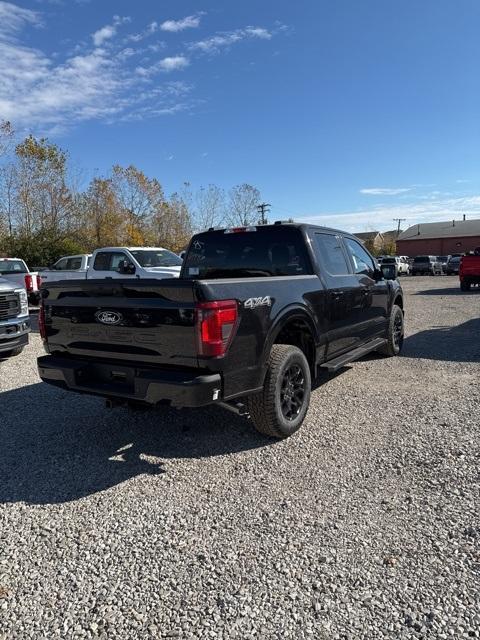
470,270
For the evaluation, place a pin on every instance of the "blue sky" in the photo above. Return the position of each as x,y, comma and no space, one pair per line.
344,112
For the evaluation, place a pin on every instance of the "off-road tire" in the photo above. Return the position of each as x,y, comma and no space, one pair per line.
394,343
266,407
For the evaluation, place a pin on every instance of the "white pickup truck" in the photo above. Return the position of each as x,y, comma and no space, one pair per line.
116,262
18,274
14,319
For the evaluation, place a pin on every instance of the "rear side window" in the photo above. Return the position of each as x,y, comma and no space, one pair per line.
331,254
61,265
108,261
362,261
74,263
264,251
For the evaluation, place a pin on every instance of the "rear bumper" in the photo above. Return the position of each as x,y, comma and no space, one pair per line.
14,334
152,386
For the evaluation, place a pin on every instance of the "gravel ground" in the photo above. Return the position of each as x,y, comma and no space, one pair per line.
190,525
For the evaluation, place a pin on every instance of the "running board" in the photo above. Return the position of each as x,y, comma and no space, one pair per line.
346,358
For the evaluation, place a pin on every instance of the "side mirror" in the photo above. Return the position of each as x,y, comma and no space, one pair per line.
126,268
389,271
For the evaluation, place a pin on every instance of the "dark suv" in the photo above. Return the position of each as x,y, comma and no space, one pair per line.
426,266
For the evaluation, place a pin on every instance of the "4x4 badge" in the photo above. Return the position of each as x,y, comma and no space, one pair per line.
253,303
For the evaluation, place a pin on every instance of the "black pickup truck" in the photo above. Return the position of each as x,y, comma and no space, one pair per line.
255,313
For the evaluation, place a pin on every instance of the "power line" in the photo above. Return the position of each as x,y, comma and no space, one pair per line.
399,220
263,210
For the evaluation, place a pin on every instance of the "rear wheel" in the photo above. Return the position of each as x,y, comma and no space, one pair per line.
395,333
280,408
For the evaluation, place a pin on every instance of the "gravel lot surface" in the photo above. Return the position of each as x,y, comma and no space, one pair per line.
188,524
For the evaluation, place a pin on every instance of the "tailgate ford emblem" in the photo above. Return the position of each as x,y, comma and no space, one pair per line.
108,317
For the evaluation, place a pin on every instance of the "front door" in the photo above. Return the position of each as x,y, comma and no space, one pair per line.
106,265
342,309
372,293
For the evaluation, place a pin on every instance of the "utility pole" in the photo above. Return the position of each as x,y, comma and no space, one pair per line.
399,220
263,210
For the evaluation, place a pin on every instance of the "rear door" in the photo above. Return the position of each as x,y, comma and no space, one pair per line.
343,309
371,293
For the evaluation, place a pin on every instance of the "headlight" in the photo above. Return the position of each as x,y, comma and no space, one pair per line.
22,296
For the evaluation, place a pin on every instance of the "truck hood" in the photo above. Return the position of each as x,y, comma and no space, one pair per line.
170,272
5,285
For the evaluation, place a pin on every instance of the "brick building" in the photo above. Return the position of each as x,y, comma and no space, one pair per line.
439,238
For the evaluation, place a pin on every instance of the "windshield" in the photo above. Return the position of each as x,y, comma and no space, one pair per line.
156,258
263,251
389,260
456,259
12,266
422,259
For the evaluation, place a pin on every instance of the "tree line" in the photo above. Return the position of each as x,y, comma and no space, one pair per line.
45,211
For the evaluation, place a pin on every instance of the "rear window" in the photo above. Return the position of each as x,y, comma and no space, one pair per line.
12,266
264,251
422,259
389,261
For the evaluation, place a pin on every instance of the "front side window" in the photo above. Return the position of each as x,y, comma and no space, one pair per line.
156,258
108,261
362,261
331,255
61,265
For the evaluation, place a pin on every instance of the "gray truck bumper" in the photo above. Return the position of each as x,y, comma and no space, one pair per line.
14,333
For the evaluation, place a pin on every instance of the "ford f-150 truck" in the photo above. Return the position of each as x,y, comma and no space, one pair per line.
255,314
469,272
18,274
14,319
116,262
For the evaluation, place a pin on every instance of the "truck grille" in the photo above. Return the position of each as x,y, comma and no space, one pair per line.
9,306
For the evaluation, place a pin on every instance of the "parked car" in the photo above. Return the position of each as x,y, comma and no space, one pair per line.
453,266
14,319
403,268
16,271
67,268
426,266
256,313
470,270
118,262
443,260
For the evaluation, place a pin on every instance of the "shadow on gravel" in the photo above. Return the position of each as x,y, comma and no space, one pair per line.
454,344
57,446
448,292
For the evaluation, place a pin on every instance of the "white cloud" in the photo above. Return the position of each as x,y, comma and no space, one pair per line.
190,22
227,38
109,31
381,218
172,63
14,18
383,191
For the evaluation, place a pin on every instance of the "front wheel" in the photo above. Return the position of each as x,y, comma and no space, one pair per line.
395,333
280,408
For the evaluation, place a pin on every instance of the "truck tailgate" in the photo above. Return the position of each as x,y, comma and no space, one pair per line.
150,321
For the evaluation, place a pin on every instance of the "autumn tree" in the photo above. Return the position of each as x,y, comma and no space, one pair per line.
242,206
210,209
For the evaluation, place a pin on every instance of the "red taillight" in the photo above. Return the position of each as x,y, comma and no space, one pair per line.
28,283
41,323
216,326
